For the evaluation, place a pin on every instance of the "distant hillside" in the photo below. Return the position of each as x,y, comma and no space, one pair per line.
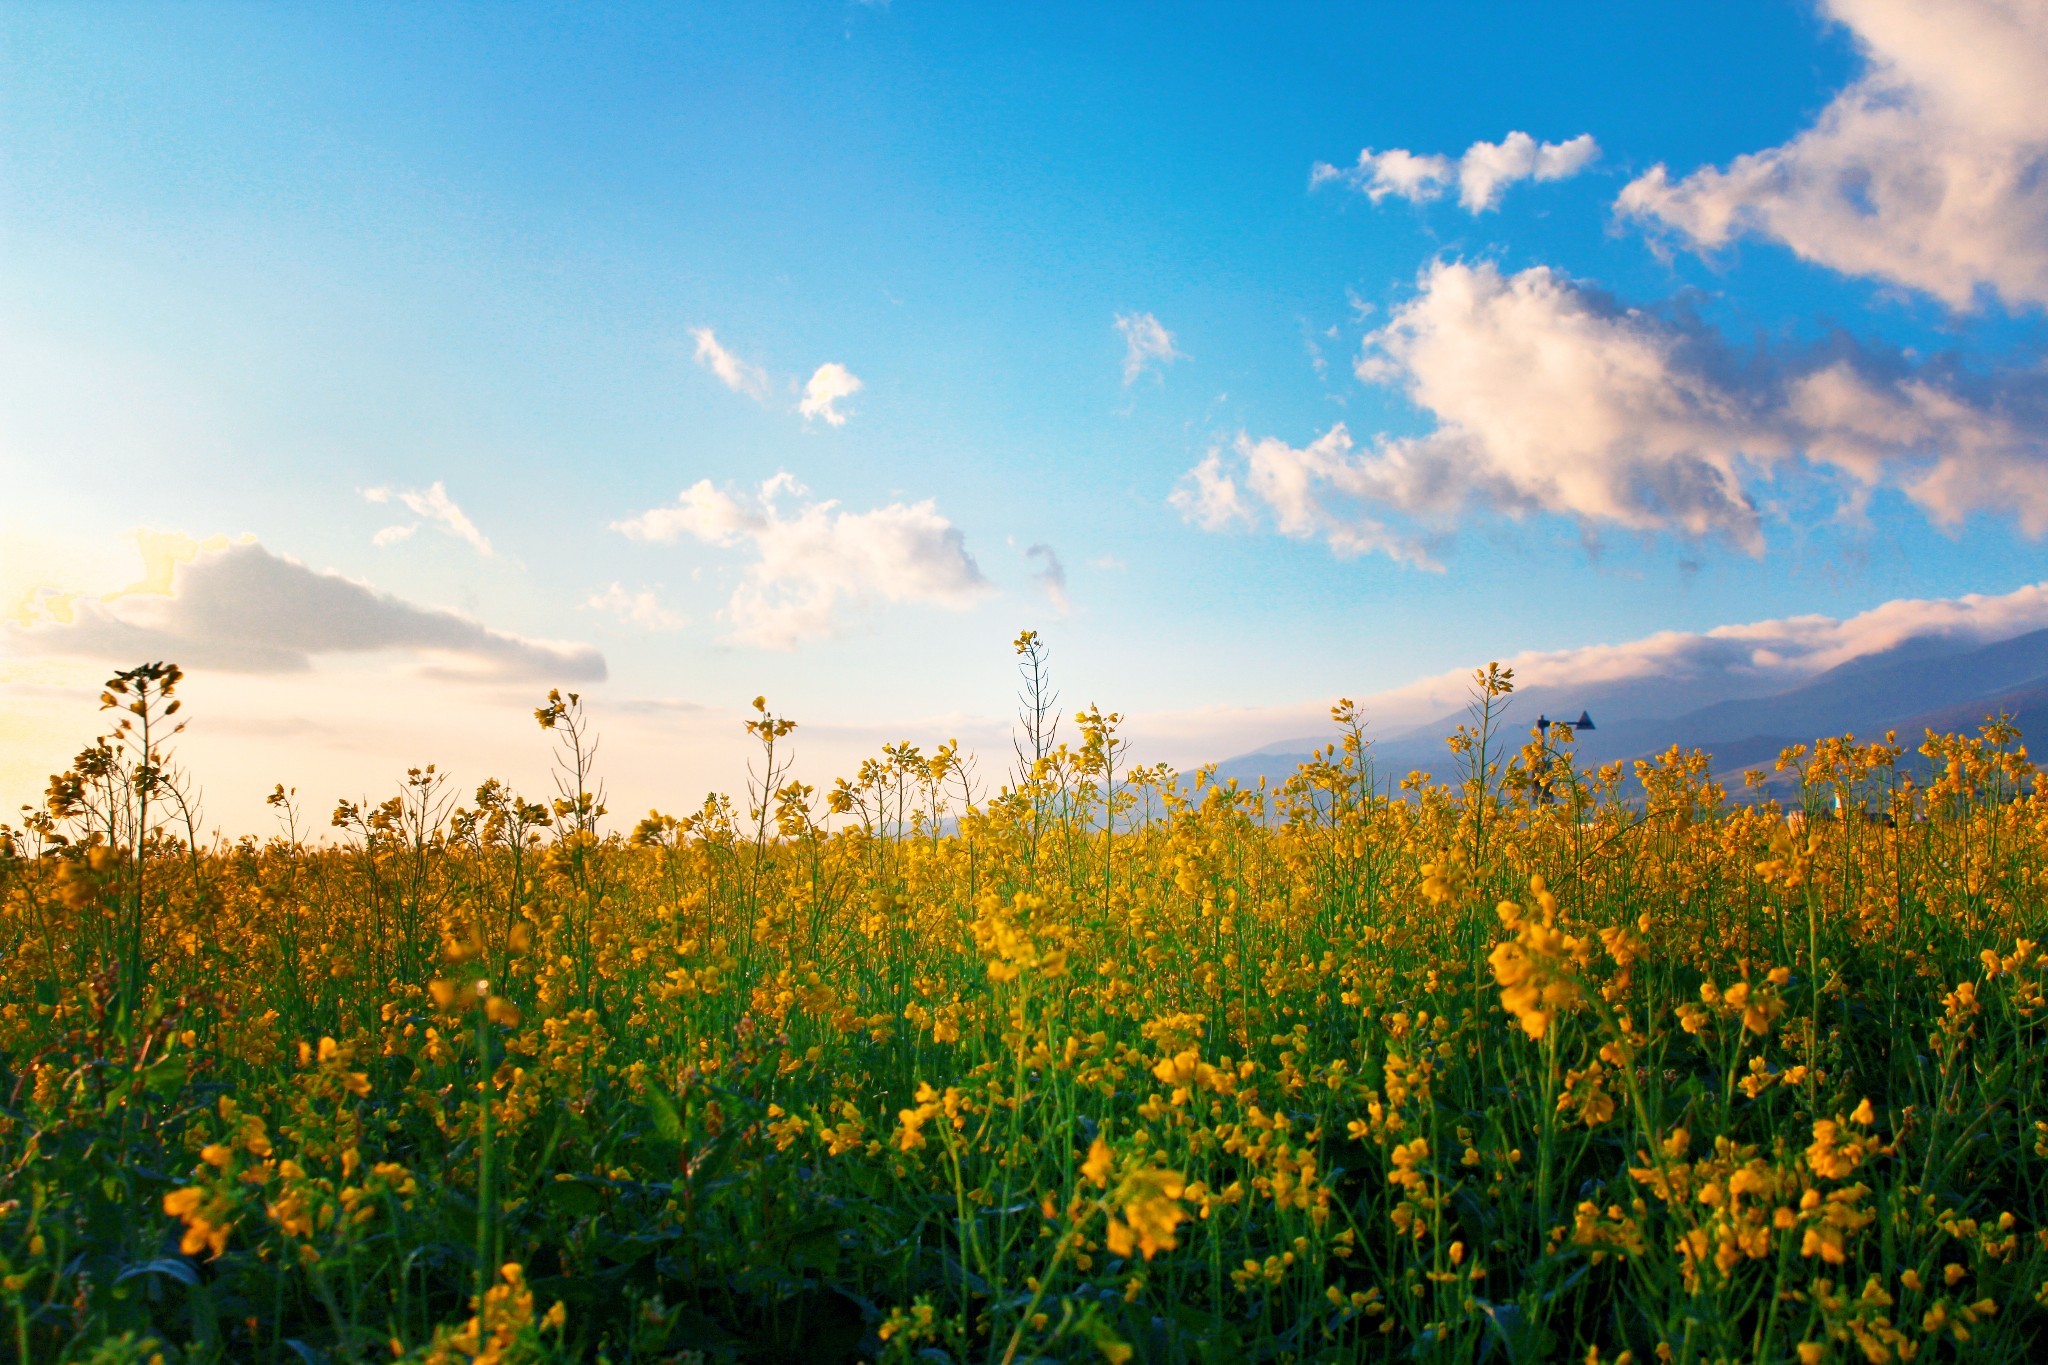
1929,682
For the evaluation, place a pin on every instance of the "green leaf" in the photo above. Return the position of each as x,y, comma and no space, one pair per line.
168,1076
176,1267
705,1168
816,1249
661,1110
577,1198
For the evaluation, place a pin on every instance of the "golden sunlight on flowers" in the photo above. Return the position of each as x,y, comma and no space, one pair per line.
1532,968
1103,1064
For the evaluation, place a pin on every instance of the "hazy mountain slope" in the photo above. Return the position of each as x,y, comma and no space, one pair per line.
1927,682
1868,699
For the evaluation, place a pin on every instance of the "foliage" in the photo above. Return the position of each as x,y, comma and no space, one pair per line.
1107,1065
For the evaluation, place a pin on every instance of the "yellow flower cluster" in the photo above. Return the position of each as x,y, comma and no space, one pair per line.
1534,968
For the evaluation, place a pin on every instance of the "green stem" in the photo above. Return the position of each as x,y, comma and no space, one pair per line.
484,1195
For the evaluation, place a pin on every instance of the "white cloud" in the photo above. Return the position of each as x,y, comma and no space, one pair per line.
1929,171
1146,342
1549,397
1482,174
701,511
1396,171
1208,496
814,564
434,504
1051,575
1316,492
1488,168
642,609
734,373
830,383
246,609
1952,451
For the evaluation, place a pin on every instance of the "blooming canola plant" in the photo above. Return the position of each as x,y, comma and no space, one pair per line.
1098,1064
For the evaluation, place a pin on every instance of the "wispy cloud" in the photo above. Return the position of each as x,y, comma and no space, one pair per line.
432,504
814,566
1551,397
1929,171
642,609
1482,174
1051,575
829,384
247,609
736,374
1146,344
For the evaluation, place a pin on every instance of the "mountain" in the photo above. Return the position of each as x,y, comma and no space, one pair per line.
1926,682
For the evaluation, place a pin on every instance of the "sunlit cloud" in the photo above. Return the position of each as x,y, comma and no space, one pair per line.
436,508
642,609
814,567
1550,397
736,374
244,608
1482,174
829,385
1929,171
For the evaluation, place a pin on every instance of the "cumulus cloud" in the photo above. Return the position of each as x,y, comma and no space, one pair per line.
1207,496
813,563
1482,174
731,371
1929,171
642,609
243,608
1396,171
829,384
1551,397
1146,343
1320,491
435,507
1051,575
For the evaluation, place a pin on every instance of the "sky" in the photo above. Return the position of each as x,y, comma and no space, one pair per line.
386,365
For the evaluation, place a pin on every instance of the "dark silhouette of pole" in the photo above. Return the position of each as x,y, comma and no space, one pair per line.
1543,724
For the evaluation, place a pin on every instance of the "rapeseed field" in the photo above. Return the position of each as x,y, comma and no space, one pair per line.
1085,1061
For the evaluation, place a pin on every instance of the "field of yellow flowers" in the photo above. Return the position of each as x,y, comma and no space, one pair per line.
1092,1062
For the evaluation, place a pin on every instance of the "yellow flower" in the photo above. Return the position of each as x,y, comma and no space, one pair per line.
1829,1156
1096,1169
1151,1211
206,1228
1531,968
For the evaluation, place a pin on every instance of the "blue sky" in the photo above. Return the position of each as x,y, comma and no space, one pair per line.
261,265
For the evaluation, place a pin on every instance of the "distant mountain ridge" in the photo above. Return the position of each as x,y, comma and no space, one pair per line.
1938,682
